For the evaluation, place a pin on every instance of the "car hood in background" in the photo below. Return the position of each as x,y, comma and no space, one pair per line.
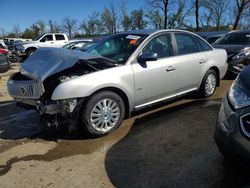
231,49
46,62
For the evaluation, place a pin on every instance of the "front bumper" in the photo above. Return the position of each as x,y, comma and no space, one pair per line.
228,134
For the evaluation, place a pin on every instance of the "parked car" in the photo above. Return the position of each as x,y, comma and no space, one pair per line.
232,132
237,45
4,64
121,74
3,45
46,40
213,38
4,51
77,44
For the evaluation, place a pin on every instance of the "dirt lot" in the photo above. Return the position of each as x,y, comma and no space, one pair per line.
171,146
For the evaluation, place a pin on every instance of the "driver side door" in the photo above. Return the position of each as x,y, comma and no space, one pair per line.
156,80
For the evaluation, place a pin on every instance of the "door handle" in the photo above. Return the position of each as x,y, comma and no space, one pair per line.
51,42
202,61
170,68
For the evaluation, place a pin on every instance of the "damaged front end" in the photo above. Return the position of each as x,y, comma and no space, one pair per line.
33,86
238,61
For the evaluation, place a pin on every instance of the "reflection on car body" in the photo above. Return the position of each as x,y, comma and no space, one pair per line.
123,73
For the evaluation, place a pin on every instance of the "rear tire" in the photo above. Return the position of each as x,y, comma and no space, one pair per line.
209,83
102,113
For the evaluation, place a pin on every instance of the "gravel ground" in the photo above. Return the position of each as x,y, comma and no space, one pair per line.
171,146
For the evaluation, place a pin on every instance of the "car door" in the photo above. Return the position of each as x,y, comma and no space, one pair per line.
191,62
60,40
47,41
156,80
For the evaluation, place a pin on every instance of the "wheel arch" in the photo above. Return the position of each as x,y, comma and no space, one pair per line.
216,69
30,48
119,92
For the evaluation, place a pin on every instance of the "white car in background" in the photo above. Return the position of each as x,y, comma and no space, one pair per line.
47,40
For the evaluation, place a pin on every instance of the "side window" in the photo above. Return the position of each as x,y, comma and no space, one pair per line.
47,38
186,44
60,37
161,45
203,45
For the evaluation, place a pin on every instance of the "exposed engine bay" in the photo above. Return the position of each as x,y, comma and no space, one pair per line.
33,90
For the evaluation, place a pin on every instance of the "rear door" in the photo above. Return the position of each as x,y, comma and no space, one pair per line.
191,61
47,41
60,40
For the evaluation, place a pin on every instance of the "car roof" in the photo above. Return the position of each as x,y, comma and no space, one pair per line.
152,31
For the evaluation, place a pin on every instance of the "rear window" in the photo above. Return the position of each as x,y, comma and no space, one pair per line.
186,44
60,37
203,45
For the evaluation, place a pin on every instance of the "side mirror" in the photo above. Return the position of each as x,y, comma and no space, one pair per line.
147,56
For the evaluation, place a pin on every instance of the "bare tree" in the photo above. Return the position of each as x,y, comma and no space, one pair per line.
162,5
3,33
109,18
177,19
54,27
93,25
155,18
137,19
241,5
70,26
217,9
125,18
16,30
41,27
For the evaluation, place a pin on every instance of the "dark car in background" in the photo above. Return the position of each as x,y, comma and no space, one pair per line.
232,132
237,45
211,36
4,64
214,38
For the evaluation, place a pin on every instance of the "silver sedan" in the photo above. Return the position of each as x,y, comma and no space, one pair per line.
95,90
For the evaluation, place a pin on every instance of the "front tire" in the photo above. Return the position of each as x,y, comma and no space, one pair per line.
103,113
209,83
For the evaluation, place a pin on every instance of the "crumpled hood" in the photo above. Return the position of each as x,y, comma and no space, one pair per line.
48,61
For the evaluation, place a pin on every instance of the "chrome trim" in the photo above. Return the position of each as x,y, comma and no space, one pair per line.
28,89
165,98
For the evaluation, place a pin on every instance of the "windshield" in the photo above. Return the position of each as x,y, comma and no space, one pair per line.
67,46
234,38
36,38
117,47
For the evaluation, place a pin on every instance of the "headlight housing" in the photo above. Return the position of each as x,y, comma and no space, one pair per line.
237,95
245,53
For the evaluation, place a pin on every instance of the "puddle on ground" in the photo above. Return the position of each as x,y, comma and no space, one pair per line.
70,146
